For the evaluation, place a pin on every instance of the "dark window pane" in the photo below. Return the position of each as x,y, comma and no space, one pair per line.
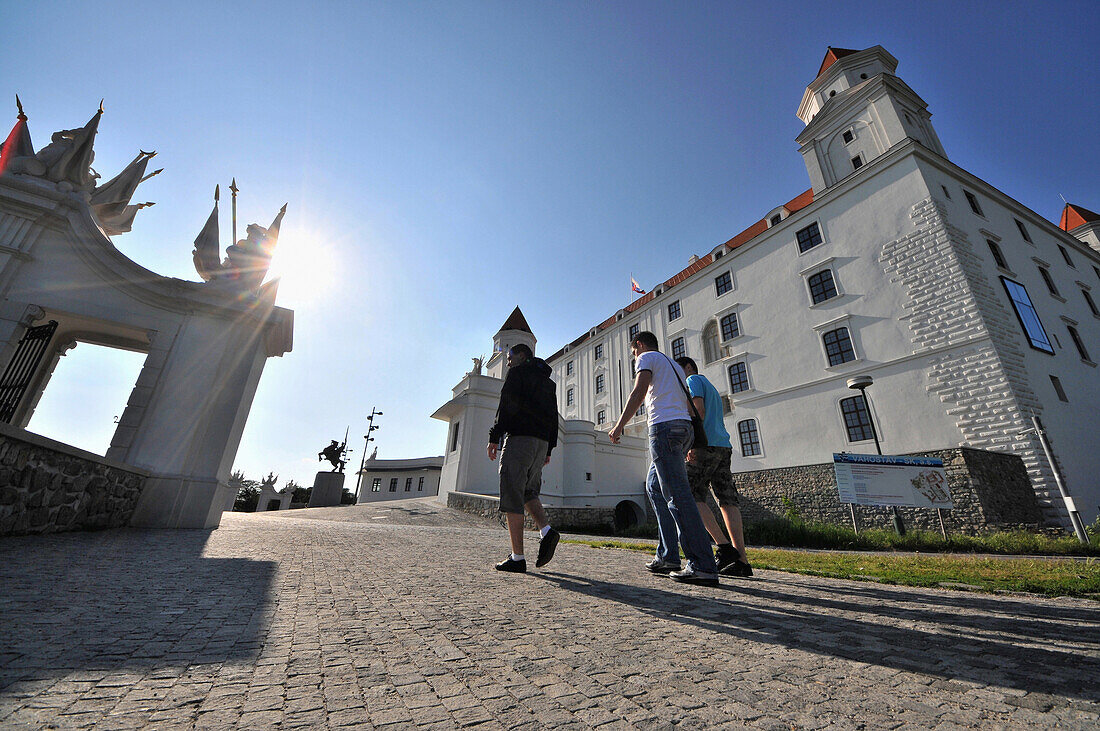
1048,280
723,283
998,257
739,378
569,397
822,286
838,346
1065,255
1023,229
808,237
599,383
1078,342
633,331
750,439
1089,301
678,350
857,420
974,206
730,326
674,310
599,351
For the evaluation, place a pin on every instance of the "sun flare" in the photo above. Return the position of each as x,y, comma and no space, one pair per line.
306,263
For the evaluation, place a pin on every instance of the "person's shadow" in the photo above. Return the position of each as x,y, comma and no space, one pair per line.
977,642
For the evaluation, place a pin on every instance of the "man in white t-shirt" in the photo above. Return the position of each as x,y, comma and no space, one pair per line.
659,382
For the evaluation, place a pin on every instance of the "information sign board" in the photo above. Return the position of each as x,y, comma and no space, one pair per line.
874,479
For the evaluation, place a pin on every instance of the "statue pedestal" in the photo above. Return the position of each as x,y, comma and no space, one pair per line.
327,489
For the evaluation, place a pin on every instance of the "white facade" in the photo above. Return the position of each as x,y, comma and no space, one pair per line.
917,289
399,479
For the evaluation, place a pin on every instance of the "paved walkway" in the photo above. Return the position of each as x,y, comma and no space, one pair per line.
291,620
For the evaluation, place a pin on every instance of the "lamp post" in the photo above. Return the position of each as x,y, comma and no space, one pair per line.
366,445
861,383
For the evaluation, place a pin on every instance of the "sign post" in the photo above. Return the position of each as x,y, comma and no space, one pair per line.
892,481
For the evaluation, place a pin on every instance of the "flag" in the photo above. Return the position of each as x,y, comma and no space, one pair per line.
635,287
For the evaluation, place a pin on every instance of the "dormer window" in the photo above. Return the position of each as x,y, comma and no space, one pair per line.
775,219
848,136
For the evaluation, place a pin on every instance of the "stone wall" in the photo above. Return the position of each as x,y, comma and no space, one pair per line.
572,519
48,487
991,490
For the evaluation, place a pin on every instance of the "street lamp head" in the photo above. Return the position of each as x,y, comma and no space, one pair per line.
860,382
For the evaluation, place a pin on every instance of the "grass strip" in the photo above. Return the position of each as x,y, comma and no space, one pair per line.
1046,576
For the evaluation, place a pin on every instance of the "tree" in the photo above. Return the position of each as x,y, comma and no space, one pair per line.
248,495
298,494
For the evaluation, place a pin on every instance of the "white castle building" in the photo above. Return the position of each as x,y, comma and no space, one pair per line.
971,312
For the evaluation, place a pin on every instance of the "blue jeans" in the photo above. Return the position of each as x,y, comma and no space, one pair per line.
678,521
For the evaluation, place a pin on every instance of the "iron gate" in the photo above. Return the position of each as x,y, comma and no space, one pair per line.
17,376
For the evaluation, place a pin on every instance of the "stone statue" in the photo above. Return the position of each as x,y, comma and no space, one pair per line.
246,261
333,453
477,366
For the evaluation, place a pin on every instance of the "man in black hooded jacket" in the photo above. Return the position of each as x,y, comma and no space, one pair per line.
528,414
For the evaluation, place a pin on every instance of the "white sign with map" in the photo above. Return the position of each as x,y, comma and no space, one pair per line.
873,479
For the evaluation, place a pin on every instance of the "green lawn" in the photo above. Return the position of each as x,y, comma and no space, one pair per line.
1046,576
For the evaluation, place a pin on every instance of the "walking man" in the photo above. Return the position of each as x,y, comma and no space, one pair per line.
660,383
528,415
708,468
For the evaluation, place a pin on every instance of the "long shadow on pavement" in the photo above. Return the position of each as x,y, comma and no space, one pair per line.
125,600
790,619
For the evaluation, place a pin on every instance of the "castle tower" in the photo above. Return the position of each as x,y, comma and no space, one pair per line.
1082,223
514,331
855,110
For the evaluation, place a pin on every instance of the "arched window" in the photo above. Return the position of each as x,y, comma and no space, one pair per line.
710,342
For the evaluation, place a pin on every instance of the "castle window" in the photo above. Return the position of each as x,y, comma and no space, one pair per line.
420,485
808,237
776,219
408,484
848,136
633,331
1090,303
723,283
1078,343
1028,317
998,257
376,484
673,310
945,192
822,286
569,397
1023,230
678,350
601,417
710,342
750,438
1065,255
973,201
857,419
393,484
1058,389
838,346
718,255
730,327
569,368
454,436
739,377
598,352
1045,273
857,162
599,383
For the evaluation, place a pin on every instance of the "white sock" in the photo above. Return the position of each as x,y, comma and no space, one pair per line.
518,557
545,530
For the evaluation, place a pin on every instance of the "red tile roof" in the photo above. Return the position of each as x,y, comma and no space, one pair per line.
1074,216
516,321
795,204
832,56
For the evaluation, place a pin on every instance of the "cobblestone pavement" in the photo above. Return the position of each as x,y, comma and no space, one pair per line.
281,621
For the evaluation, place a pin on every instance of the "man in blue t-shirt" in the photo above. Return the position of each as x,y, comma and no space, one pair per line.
708,468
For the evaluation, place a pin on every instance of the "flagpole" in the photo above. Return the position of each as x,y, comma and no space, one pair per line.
233,187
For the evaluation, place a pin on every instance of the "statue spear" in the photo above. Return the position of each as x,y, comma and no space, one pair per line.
233,187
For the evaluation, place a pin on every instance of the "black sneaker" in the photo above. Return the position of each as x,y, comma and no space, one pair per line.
658,566
516,567
725,555
547,546
691,576
738,568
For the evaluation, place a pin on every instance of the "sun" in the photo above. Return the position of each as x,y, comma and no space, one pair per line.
306,263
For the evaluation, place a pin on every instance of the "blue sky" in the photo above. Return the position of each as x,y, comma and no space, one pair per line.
446,161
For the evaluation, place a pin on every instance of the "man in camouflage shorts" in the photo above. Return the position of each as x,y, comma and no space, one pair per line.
709,469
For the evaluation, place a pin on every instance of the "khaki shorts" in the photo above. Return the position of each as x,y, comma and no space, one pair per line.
521,462
710,470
